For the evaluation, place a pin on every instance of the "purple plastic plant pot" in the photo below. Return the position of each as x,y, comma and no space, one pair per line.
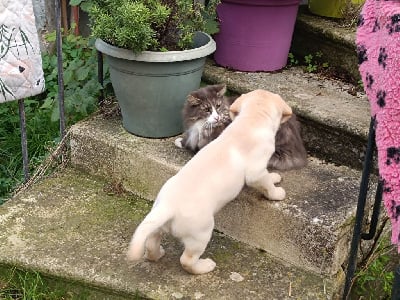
255,35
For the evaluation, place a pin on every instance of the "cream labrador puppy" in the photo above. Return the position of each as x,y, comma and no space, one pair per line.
187,202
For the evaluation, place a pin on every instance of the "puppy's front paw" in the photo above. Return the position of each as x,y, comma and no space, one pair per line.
277,193
178,142
275,177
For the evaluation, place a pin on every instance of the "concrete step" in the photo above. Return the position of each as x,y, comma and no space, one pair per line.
333,38
335,119
75,229
310,228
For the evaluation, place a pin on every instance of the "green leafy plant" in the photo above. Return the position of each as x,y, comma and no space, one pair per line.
155,25
313,63
81,87
374,279
292,60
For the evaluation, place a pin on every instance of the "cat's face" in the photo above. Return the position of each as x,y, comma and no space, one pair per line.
209,105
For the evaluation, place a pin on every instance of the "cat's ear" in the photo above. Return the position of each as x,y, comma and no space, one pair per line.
235,108
193,100
221,90
286,112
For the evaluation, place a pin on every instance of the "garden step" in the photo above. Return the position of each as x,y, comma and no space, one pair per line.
333,38
335,118
310,228
75,229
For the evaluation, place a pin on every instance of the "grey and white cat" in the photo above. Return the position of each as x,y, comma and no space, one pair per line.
206,115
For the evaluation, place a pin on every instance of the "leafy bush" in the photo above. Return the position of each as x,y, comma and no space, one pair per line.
156,25
81,87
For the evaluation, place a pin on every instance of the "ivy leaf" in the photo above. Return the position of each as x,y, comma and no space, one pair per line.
83,74
68,75
48,103
86,6
75,2
55,114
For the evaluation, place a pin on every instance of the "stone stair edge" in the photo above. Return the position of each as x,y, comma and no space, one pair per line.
332,38
327,28
73,252
143,165
297,96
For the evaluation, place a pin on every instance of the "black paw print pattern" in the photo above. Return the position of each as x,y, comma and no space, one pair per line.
387,189
381,96
395,24
369,80
360,20
377,26
362,54
382,57
395,209
393,155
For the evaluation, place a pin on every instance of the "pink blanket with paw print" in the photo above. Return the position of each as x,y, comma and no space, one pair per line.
378,49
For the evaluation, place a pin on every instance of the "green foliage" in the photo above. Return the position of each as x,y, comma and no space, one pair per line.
41,135
313,63
148,24
81,90
374,280
26,286
292,60
81,87
16,284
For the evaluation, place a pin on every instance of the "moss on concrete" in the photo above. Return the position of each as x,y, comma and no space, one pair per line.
70,229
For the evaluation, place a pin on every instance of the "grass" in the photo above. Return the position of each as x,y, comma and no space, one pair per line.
18,284
375,275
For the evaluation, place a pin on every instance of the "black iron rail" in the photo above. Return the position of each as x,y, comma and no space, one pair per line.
24,143
60,69
358,235
100,72
396,284
362,197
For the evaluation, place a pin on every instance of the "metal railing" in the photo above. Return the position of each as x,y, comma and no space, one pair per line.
21,107
358,235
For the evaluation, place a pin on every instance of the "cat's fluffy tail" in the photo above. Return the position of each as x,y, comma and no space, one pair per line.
157,217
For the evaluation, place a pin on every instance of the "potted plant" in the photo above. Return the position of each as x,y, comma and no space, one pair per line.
255,35
333,8
156,51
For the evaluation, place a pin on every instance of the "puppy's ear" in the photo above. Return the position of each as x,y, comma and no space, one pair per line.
286,112
193,100
235,108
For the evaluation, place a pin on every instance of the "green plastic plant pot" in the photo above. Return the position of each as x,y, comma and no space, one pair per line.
330,8
151,87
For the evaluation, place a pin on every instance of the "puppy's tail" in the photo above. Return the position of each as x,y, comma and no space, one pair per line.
157,217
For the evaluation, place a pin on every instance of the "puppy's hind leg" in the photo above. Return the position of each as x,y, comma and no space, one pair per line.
154,250
194,248
265,183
